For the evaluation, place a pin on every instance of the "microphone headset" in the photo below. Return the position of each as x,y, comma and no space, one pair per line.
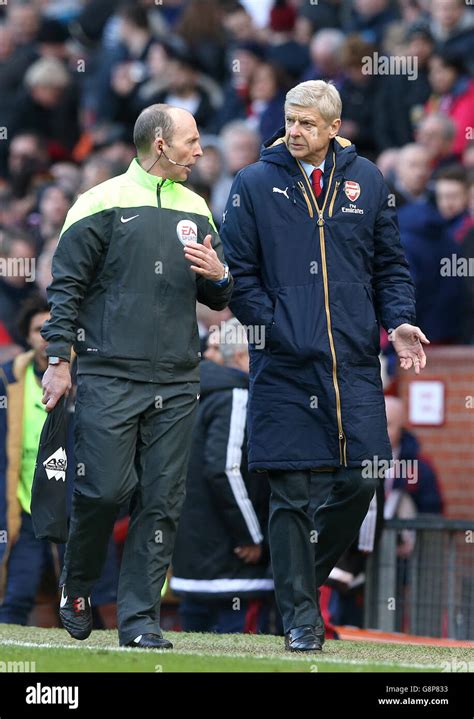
173,162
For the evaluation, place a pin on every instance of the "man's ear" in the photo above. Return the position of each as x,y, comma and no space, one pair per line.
335,127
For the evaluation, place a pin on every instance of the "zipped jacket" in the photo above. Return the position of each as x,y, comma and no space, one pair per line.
316,278
122,293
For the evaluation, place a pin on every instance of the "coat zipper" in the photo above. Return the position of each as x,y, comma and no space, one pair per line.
158,284
322,243
331,206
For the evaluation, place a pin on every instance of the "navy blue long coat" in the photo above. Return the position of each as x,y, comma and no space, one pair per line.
320,278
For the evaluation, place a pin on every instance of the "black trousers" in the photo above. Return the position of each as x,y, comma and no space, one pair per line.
314,517
132,441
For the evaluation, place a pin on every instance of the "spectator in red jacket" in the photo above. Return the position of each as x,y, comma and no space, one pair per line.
453,94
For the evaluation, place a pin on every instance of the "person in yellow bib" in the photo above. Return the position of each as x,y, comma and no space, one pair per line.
23,558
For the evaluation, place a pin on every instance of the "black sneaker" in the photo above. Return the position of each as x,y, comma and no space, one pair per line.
76,615
150,641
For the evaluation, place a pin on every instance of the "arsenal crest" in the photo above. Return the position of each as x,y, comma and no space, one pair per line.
352,190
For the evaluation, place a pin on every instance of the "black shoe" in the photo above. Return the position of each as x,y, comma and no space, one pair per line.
76,614
150,641
303,639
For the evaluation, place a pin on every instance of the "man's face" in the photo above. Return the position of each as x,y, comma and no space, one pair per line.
441,76
213,349
24,21
241,149
22,149
54,205
307,133
447,12
451,198
34,338
184,146
245,64
24,251
182,77
413,170
46,95
431,135
420,47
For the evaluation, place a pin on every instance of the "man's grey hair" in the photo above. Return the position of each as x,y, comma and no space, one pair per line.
232,339
47,72
447,125
328,38
238,127
318,95
154,121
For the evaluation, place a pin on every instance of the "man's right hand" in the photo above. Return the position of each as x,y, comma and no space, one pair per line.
56,382
250,553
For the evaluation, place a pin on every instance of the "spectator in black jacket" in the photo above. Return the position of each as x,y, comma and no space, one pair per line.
220,562
452,24
401,97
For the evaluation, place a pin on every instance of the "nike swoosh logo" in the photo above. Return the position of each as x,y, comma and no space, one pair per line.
127,219
63,599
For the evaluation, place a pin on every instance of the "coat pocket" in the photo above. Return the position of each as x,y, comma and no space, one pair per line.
299,322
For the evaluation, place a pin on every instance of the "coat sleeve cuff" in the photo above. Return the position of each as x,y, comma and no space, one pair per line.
59,349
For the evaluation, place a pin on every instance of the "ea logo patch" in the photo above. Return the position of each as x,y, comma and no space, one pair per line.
352,190
187,231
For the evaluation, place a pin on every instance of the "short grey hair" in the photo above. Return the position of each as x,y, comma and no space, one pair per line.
47,72
319,95
446,123
230,329
329,38
154,121
238,127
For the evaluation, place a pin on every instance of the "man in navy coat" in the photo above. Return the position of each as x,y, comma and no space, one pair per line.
313,245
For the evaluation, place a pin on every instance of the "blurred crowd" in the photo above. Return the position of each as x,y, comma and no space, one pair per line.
74,74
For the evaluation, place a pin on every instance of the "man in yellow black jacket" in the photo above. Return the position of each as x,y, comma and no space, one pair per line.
134,255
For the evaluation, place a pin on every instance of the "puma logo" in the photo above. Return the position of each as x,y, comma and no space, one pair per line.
282,192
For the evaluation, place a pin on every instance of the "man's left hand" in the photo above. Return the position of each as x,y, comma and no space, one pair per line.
205,260
407,341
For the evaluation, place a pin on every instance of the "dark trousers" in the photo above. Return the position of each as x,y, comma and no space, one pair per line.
314,517
132,442
222,617
27,560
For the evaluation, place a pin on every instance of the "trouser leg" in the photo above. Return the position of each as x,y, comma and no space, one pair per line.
338,517
196,615
291,534
164,444
106,425
23,571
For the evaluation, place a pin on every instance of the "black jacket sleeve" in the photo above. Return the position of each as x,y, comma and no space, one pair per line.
79,251
225,439
214,296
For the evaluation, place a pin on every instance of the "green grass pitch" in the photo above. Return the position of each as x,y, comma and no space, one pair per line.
52,650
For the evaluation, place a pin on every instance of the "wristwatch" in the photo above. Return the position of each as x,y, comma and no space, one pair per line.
225,279
57,360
